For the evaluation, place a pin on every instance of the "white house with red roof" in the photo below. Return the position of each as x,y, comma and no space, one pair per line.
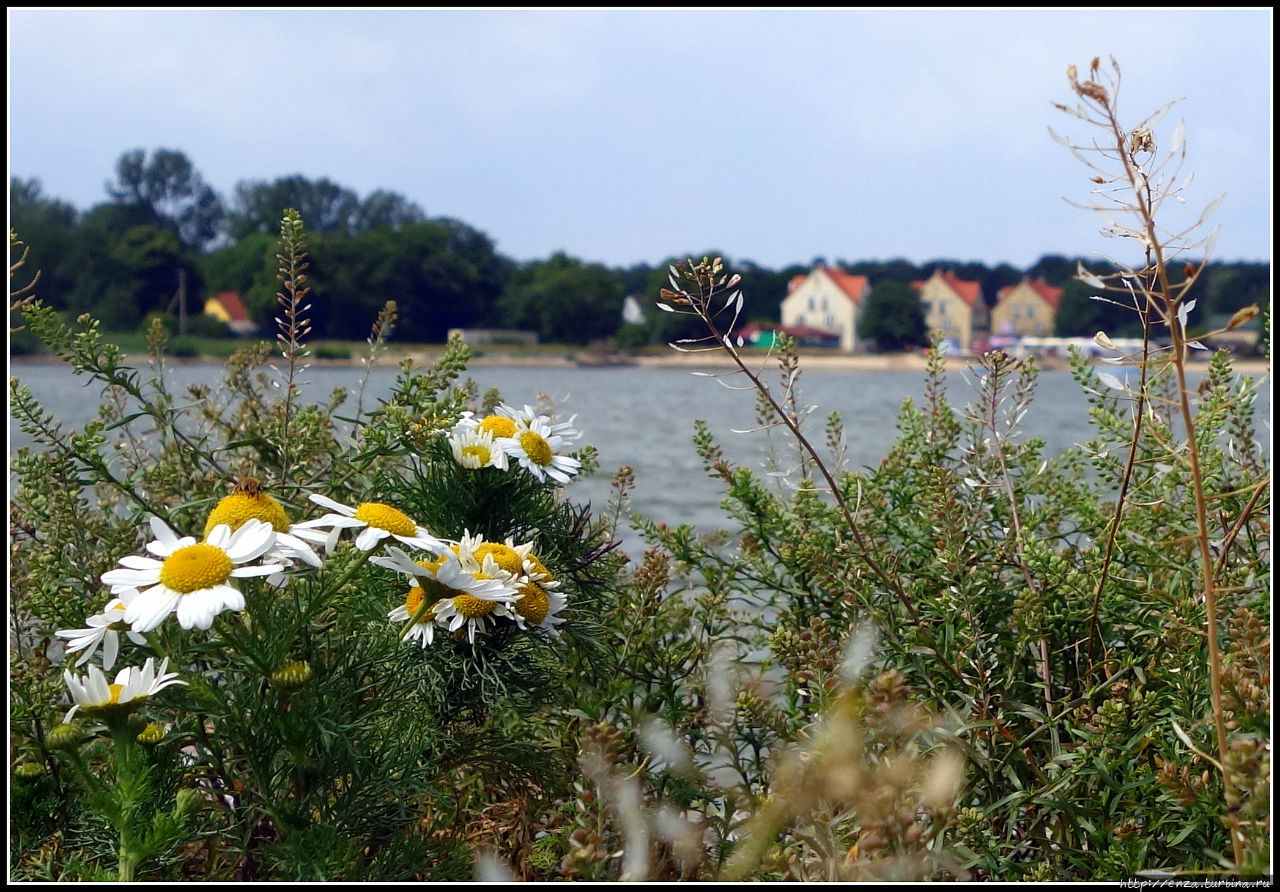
954,307
1025,309
827,300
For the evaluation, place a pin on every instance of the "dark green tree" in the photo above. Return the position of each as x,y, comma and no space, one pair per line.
168,188
1082,314
893,317
238,266
386,210
324,205
442,274
48,229
564,300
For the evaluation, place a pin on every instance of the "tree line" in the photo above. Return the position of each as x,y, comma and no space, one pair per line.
162,229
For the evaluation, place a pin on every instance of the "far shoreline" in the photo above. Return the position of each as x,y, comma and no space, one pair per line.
707,360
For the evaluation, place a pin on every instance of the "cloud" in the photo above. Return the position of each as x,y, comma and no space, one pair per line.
631,135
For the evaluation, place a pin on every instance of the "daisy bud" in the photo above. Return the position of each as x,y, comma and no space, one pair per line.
65,737
291,676
151,735
28,771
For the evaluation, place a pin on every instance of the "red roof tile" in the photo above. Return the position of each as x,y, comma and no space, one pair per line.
1050,294
969,292
853,286
234,306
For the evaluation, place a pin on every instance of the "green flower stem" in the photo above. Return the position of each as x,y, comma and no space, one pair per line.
128,768
423,609
351,571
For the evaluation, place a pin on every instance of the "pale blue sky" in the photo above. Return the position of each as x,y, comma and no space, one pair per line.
627,136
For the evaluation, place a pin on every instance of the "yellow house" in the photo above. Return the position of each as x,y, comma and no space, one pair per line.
1026,308
827,299
226,306
953,306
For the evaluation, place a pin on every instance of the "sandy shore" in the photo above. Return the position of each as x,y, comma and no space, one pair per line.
711,360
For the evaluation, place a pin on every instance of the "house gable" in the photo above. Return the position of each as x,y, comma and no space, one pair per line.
828,299
1027,308
953,306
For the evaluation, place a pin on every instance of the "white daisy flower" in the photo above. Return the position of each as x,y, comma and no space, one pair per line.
476,449
375,521
103,630
535,448
131,687
191,578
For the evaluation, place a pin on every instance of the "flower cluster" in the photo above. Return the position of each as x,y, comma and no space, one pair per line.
473,585
461,587
532,440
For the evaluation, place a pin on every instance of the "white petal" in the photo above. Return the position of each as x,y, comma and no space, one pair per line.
132,578
165,536
369,538
230,598
139,562
110,649
294,546
250,541
197,612
150,608
331,504
257,570
219,535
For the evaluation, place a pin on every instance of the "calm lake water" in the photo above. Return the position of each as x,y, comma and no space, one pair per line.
644,417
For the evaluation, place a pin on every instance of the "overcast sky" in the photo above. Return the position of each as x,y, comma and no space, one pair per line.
629,136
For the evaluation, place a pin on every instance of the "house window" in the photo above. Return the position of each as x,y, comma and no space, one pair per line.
824,304
811,306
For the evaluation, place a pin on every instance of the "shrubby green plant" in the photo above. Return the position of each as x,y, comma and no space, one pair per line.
1091,630
294,704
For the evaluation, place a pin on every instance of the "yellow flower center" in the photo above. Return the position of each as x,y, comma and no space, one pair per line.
504,556
472,607
195,567
498,426
536,448
535,605
413,601
116,690
239,507
540,570
384,517
480,454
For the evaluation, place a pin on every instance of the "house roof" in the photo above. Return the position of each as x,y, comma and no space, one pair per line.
234,306
969,292
1050,294
853,287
